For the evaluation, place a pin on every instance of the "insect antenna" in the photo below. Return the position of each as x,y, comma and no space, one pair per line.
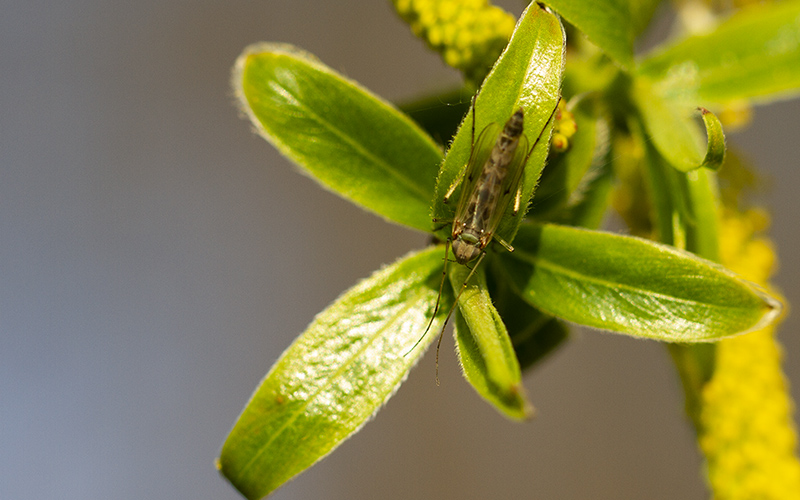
538,137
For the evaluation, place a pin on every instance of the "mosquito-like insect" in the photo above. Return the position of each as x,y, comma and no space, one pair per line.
491,177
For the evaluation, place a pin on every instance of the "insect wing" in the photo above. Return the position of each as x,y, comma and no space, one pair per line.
511,184
481,151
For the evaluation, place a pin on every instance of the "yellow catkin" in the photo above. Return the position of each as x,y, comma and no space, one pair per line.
746,428
469,34
565,128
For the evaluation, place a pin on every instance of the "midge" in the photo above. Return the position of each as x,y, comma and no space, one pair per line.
491,178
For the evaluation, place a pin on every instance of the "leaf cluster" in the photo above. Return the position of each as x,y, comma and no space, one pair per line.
637,123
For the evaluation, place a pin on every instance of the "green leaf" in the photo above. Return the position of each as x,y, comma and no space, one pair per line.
609,24
527,75
715,154
674,132
485,349
695,362
349,140
753,55
633,286
335,376
703,235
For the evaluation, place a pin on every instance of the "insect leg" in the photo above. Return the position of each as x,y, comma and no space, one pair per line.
528,153
538,137
455,184
474,98
436,307
504,243
518,195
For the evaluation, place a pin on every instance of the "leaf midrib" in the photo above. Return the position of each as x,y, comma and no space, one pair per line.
558,269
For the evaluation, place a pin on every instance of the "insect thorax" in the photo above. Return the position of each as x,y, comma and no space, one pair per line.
466,246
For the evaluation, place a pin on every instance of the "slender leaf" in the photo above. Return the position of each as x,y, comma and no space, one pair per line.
633,286
674,132
527,75
715,154
610,24
703,235
335,376
695,362
753,55
349,140
485,349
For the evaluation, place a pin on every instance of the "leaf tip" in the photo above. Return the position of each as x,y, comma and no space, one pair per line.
773,310
522,409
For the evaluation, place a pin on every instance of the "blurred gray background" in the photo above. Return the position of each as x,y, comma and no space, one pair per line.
156,257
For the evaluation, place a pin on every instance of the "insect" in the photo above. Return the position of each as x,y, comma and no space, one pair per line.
491,179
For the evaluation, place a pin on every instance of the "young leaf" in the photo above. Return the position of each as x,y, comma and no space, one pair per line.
527,75
753,55
633,286
610,24
715,154
484,348
335,376
674,132
349,140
